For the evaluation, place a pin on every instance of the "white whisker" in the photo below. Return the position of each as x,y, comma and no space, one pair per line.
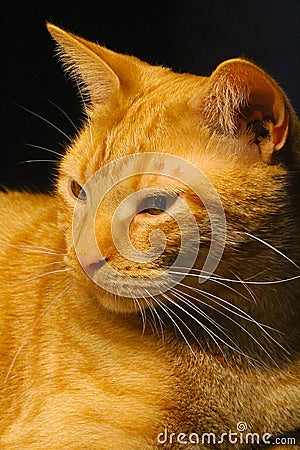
257,274
218,326
244,316
33,249
64,113
45,120
154,313
284,280
151,319
39,276
143,316
39,160
44,148
202,313
168,312
42,265
211,333
246,287
219,280
272,248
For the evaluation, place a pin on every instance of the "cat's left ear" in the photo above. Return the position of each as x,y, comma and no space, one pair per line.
101,73
239,97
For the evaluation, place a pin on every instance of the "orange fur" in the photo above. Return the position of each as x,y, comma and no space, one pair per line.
76,369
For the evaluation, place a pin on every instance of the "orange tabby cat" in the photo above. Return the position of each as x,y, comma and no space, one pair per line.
153,300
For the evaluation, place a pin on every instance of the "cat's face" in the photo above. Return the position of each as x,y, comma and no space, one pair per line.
185,157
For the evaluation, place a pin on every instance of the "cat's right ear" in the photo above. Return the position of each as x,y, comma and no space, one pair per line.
100,72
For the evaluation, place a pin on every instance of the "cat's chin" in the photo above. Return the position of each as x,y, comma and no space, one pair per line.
118,304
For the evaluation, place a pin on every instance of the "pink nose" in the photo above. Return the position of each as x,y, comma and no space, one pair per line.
91,263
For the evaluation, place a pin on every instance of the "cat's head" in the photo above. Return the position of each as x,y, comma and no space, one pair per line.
196,161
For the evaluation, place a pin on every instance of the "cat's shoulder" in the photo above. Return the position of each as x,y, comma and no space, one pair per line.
19,201
24,208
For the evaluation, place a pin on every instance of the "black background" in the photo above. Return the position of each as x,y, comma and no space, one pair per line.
189,36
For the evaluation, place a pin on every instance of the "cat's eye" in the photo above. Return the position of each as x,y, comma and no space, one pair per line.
77,191
157,204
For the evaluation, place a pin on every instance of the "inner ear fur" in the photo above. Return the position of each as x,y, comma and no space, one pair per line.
240,96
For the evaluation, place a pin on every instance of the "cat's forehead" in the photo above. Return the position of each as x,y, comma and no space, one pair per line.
144,125
161,118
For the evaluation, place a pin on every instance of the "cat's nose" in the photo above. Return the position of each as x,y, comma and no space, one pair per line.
91,263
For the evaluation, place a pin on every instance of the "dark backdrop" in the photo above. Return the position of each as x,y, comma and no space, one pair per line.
191,36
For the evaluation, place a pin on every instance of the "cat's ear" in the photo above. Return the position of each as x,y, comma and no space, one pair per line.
102,73
239,97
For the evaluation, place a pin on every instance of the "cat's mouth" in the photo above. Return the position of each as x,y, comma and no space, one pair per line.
130,282
133,286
